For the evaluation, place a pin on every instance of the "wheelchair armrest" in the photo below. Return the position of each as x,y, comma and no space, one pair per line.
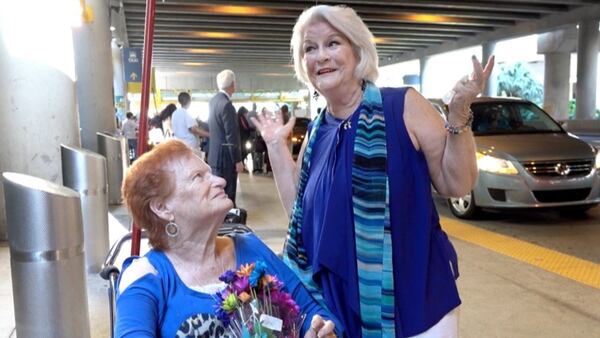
109,270
236,215
234,228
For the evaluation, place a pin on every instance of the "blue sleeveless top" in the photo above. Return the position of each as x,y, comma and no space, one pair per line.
424,261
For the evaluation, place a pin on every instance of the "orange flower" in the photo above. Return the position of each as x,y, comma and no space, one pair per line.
245,270
244,297
266,280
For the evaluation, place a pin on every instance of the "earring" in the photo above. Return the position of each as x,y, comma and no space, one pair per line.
316,95
363,85
171,229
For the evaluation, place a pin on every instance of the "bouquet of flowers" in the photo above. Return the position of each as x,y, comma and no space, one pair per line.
254,304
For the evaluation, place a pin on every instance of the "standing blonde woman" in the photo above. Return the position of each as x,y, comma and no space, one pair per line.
364,234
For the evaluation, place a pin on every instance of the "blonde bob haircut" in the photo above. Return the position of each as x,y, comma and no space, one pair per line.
348,23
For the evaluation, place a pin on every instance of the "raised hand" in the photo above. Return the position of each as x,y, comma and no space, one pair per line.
271,127
320,328
467,89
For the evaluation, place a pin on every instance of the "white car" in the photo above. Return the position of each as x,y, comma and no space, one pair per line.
527,160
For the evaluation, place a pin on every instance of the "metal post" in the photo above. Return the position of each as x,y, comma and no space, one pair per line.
85,172
587,70
45,235
142,144
114,148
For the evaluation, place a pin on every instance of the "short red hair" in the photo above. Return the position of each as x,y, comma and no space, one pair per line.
151,178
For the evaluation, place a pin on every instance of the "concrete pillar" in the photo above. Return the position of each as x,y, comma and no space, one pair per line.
119,84
556,84
422,69
487,50
37,91
94,74
587,63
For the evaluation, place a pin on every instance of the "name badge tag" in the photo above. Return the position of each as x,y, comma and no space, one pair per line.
270,322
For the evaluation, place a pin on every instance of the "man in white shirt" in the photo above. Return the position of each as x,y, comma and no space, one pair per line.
129,130
185,127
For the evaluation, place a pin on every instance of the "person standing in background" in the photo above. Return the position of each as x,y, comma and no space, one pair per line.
129,131
252,114
245,132
165,119
285,113
184,125
224,154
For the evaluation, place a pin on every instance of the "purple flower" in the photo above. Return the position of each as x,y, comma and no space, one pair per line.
240,285
222,315
222,295
228,277
286,306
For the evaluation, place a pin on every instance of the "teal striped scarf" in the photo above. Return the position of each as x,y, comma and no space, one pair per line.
370,199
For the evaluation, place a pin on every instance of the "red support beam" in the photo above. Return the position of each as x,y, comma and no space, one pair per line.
142,141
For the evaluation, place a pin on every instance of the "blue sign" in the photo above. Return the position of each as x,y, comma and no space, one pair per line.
132,64
411,79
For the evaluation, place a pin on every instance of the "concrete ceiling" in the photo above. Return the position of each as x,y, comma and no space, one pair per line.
253,36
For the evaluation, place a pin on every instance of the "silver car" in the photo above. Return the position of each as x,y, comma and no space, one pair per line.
527,160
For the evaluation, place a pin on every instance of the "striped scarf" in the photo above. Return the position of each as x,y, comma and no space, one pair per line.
370,200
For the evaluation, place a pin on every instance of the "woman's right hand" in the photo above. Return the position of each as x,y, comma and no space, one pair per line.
271,127
320,328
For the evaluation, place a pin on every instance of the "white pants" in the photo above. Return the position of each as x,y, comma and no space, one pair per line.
447,327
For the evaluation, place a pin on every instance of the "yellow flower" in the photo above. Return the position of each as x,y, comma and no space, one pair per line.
230,303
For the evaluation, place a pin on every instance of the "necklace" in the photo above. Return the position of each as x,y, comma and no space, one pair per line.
197,274
347,123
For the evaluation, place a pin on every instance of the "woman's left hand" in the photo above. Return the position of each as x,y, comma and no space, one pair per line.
467,89
271,126
320,328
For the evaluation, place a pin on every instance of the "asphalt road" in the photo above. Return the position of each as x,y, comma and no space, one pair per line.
578,236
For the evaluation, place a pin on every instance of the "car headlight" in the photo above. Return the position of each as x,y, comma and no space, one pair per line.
598,160
497,165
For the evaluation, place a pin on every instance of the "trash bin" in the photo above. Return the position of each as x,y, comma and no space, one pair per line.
85,172
45,235
114,148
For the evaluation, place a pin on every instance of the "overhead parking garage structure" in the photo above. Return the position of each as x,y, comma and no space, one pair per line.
252,37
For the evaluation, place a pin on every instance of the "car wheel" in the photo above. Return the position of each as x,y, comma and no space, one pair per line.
463,207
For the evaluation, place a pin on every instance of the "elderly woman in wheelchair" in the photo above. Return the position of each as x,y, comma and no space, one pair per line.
169,292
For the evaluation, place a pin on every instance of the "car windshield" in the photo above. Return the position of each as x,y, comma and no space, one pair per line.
492,118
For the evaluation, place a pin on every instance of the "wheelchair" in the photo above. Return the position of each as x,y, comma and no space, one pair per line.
234,223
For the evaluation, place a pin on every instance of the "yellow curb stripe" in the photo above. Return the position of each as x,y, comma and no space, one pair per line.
564,265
